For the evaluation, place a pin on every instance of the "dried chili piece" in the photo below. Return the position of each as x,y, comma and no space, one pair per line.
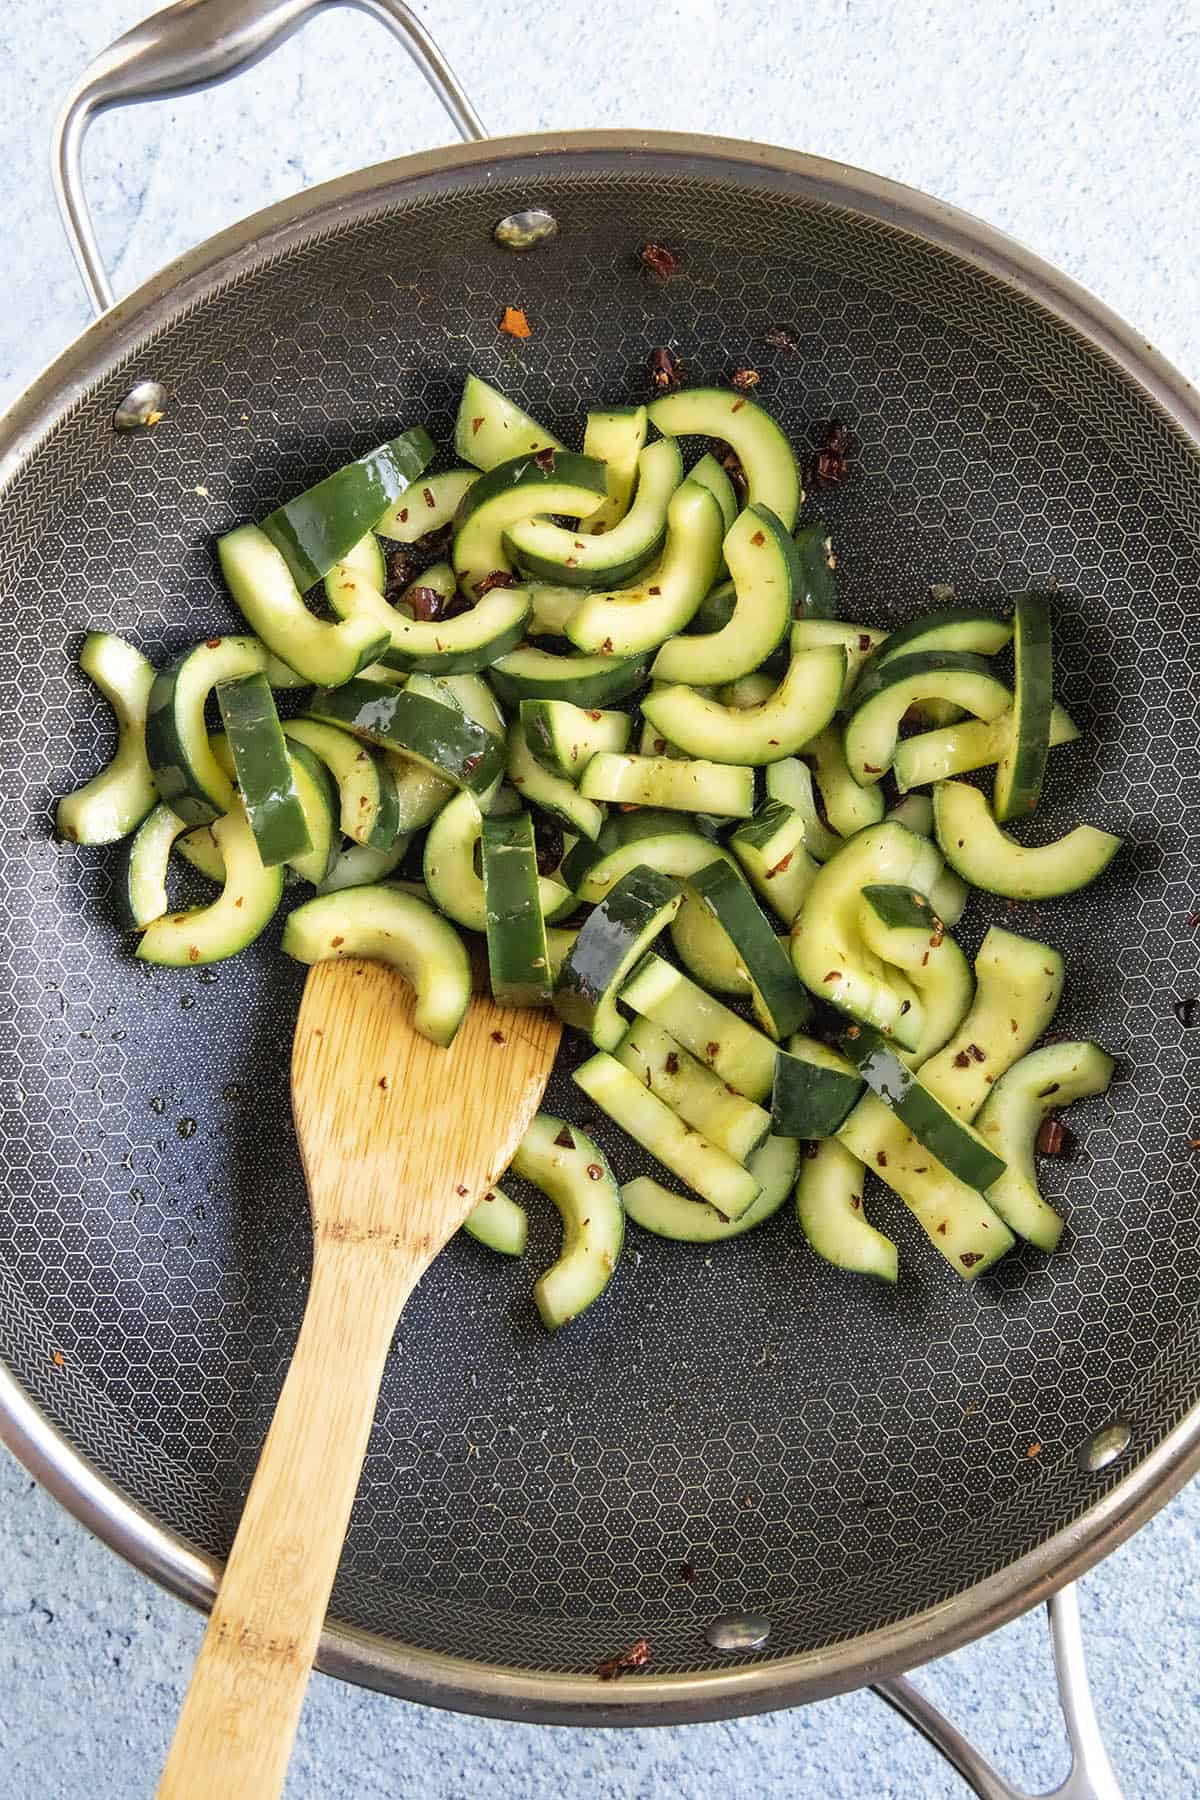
499,578
545,460
514,322
781,340
667,371
635,1657
660,261
830,463
744,379
1053,1138
564,1140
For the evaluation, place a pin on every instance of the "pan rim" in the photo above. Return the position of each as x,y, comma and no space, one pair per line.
457,1683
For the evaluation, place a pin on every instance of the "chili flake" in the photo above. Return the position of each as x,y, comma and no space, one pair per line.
659,260
564,1140
744,379
514,322
636,1657
667,371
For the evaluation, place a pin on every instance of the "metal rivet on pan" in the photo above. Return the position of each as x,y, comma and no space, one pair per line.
523,230
144,404
1105,1446
738,1631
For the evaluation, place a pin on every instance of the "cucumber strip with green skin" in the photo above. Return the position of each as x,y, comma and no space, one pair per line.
772,476
734,1050
815,1090
747,690
1021,771
630,621
704,949
365,558
858,641
672,843
915,813
827,948
904,930
611,941
1039,1084
770,848
497,1222
426,505
955,1144
518,965
244,907
574,1175
319,526
551,552
713,1173
320,803
765,571
953,628
829,1211
958,749
554,481
957,1219
655,1208
529,674
564,738
114,802
777,996
815,595
451,876
460,645
553,606
884,692
700,1098
441,738
263,769
492,429
709,473
791,781
262,584
143,891
366,789
848,806
1018,985
423,794
801,706
198,847
976,848
561,798
185,773
385,924
357,865
616,438
691,785
948,896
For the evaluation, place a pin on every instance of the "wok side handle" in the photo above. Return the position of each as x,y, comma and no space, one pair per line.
1091,1775
195,44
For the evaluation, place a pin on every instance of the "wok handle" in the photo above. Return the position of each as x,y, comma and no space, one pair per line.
1091,1775
195,44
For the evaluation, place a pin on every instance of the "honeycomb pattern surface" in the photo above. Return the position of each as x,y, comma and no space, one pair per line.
734,1426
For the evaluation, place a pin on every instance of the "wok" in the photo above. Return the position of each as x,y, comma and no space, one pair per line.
788,1482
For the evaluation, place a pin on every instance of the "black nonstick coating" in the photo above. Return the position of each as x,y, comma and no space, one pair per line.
737,1426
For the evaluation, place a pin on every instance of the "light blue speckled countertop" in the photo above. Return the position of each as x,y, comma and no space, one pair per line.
1072,126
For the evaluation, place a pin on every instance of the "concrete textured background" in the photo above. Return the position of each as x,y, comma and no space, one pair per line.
1072,125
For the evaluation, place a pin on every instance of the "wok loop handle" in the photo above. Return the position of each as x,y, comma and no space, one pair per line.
195,44
1091,1775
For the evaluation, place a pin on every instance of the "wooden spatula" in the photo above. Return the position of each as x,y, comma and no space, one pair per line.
399,1139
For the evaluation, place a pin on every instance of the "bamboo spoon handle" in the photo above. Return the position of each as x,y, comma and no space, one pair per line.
239,1717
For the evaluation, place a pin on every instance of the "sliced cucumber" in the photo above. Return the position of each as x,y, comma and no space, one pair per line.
553,607
114,803
611,940
956,1218
491,429
198,847
318,527
518,965
439,737
693,786
262,584
1022,769
498,1223
529,674
144,885
915,813
772,477
829,1210
367,791
858,641
885,691
713,1173
734,1050
848,807
649,836
384,924
974,845
952,628
559,944
564,738
791,781
947,1137
185,772
956,750
357,865
709,473
777,996
631,620
1039,1084
615,438
770,848
802,704
655,1208
903,929
690,1089
815,1090
562,799
241,911
704,949
747,690
454,883
428,504
469,641
263,769
553,481
763,564
550,552
816,595
320,803
365,558
1018,985
573,1172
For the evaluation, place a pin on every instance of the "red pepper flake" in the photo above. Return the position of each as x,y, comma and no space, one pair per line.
659,260
942,1228
881,1158
758,538
962,1060
403,514
864,640
545,459
660,745
475,424
833,975
925,959
781,340
471,763
737,406
781,866
636,1657
744,379
672,1063
427,604
856,1202
514,322
212,643
564,1140
1193,1143
336,942
969,1258
1045,1093
687,1571
872,769
606,648
499,578
461,1191
668,372
595,1172
809,1148
1053,1138
980,1055
572,562
905,1006
831,463
489,1196
654,590
711,1050
1193,919
1013,1026
1035,1449
497,1037
193,953
58,1359
383,1083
